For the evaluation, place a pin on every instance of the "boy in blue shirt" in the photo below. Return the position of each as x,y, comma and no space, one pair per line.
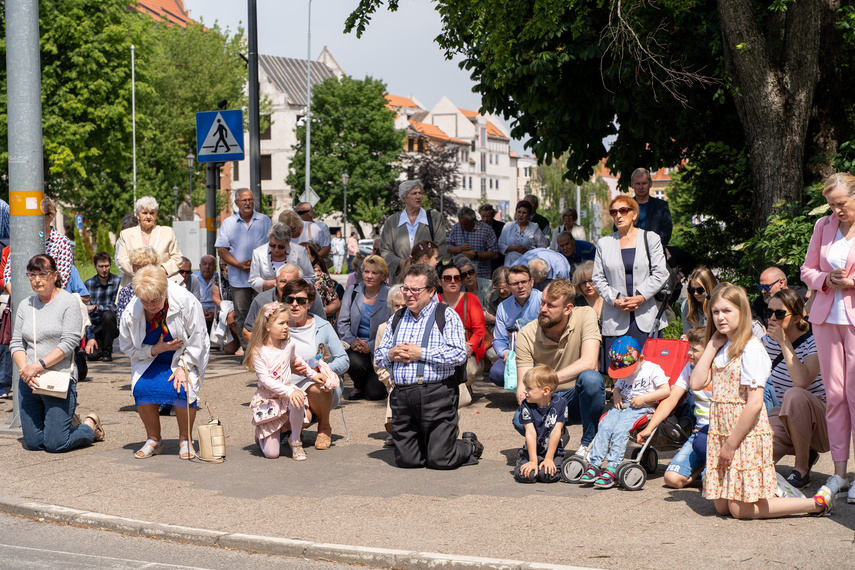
543,416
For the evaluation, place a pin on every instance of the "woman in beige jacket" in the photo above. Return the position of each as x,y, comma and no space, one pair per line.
148,234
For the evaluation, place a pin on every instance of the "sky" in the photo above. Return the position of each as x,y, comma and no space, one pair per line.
397,47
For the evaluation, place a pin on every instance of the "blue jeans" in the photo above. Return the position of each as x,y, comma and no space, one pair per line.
585,403
613,435
687,460
5,367
46,421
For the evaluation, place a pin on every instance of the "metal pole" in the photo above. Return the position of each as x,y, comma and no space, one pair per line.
134,115
309,105
211,177
190,176
344,214
254,140
175,194
578,199
26,163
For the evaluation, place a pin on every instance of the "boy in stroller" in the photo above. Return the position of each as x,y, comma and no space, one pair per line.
638,384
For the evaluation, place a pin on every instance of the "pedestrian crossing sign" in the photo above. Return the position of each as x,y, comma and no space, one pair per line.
219,136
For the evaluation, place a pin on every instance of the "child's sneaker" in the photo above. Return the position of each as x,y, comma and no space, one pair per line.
824,498
590,475
606,480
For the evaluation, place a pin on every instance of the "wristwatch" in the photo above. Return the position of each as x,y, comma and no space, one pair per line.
42,362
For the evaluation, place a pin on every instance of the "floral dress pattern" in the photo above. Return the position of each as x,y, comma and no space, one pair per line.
325,287
751,475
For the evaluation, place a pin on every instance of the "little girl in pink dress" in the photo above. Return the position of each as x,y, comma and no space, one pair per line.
277,402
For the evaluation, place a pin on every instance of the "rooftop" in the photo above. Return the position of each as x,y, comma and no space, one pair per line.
288,75
434,132
171,11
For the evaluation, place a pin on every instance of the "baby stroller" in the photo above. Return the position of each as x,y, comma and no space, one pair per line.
640,460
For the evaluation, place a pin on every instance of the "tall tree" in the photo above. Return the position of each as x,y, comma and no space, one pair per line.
675,76
352,131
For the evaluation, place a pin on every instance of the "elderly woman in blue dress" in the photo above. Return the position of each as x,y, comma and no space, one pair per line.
520,235
163,332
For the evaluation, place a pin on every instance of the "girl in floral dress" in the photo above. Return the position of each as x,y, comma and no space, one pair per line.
740,474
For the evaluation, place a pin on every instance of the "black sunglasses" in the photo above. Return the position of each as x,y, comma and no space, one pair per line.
465,274
695,290
277,246
779,313
289,300
303,212
184,271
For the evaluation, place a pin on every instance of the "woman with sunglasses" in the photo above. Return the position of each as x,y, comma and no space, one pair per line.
520,235
693,309
629,269
469,309
268,258
471,282
311,336
798,424
828,270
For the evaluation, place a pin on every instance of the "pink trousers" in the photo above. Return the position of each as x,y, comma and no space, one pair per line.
835,346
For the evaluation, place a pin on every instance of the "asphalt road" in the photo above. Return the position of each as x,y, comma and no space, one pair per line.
25,543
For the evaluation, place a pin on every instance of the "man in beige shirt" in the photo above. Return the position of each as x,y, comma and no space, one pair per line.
567,339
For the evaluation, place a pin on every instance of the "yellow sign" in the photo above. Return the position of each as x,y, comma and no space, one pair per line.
26,203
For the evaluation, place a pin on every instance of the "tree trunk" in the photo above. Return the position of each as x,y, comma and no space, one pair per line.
828,125
774,79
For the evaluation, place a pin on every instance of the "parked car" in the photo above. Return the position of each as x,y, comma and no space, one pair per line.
366,247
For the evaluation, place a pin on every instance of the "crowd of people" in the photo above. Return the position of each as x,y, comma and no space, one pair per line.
537,310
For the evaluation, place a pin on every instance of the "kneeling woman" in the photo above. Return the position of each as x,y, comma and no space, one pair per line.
162,331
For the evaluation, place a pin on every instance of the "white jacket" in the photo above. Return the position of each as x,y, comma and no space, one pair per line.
185,321
262,266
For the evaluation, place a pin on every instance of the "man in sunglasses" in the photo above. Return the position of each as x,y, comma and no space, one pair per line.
772,280
316,232
189,282
475,240
422,363
654,215
286,273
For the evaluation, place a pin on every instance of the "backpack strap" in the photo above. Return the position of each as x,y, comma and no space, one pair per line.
438,318
431,320
430,225
796,344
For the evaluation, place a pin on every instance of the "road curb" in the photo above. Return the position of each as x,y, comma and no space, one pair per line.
265,544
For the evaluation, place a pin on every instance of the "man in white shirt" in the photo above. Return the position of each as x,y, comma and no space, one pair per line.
316,232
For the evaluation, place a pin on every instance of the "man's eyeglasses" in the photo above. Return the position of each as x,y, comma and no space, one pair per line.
412,290
43,275
695,290
451,278
184,271
303,212
766,287
465,274
277,246
245,201
622,211
518,283
290,300
779,313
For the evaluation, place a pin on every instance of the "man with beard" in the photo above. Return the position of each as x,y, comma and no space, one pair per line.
567,339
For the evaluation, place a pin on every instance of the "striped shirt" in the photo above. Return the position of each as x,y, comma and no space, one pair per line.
780,377
443,353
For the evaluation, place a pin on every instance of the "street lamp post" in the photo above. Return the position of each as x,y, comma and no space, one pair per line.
441,196
344,178
190,158
175,193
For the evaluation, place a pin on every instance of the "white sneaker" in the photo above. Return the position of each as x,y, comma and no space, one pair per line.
850,498
582,451
837,484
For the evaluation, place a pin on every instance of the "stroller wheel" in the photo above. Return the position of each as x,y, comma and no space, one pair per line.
632,477
573,468
623,465
650,460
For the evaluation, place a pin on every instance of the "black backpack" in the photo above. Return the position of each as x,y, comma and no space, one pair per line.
439,315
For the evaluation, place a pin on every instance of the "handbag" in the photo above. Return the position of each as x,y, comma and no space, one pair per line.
52,383
266,409
211,436
511,366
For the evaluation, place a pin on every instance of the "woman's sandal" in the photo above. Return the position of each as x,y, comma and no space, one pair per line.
98,427
323,439
151,447
297,451
184,450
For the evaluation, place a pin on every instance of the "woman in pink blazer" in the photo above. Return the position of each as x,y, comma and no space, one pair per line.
829,270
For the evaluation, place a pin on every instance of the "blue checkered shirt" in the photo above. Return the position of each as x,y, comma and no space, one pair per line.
443,353
482,238
103,295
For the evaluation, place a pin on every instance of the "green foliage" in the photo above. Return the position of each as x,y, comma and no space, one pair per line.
102,240
370,213
86,102
674,329
82,250
352,131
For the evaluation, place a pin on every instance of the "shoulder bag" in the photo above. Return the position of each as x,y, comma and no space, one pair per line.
211,436
52,383
5,319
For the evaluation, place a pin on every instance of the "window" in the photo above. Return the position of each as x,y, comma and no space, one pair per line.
265,135
473,145
483,186
410,145
483,137
491,158
497,184
491,184
266,167
483,162
236,170
470,183
421,146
